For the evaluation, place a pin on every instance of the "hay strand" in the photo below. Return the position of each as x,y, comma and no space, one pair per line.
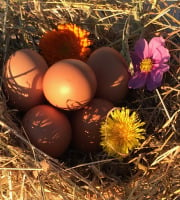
151,171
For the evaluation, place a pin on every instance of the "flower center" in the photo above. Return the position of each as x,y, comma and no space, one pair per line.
146,65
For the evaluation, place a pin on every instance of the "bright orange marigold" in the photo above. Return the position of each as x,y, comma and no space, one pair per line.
68,41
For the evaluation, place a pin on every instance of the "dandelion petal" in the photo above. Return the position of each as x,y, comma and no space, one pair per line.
121,132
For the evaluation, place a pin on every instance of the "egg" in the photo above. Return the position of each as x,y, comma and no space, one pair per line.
48,129
111,73
69,84
86,124
22,79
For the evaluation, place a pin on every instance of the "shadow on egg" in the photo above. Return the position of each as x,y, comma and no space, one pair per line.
43,136
111,73
22,79
86,125
48,129
75,105
23,98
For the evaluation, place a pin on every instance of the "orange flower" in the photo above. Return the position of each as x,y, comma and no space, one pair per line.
68,41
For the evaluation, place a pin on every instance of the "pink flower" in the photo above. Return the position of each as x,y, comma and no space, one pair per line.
149,61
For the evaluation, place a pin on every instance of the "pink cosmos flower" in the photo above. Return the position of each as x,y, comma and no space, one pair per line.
149,61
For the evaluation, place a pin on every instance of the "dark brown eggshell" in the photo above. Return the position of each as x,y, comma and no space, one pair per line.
69,84
86,124
111,73
48,129
22,79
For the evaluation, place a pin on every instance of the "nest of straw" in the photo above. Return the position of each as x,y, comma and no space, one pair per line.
151,171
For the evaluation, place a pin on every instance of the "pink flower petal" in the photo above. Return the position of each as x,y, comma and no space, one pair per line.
161,54
142,48
161,66
164,67
154,79
137,81
154,43
155,66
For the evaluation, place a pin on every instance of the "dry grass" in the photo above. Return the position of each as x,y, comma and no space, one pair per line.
150,172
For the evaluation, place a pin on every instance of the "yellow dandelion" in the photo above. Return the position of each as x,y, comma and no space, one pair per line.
121,132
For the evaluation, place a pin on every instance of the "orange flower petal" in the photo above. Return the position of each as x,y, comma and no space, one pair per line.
68,41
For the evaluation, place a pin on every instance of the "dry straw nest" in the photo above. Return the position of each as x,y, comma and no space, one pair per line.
150,172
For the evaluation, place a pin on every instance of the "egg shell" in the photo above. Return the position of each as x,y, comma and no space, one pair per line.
111,73
69,84
48,129
86,124
22,79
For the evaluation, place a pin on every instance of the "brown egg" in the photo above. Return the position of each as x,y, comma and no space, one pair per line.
86,124
23,74
48,129
69,84
111,73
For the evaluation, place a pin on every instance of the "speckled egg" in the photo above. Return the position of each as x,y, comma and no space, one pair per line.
48,129
111,73
69,84
86,124
22,79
